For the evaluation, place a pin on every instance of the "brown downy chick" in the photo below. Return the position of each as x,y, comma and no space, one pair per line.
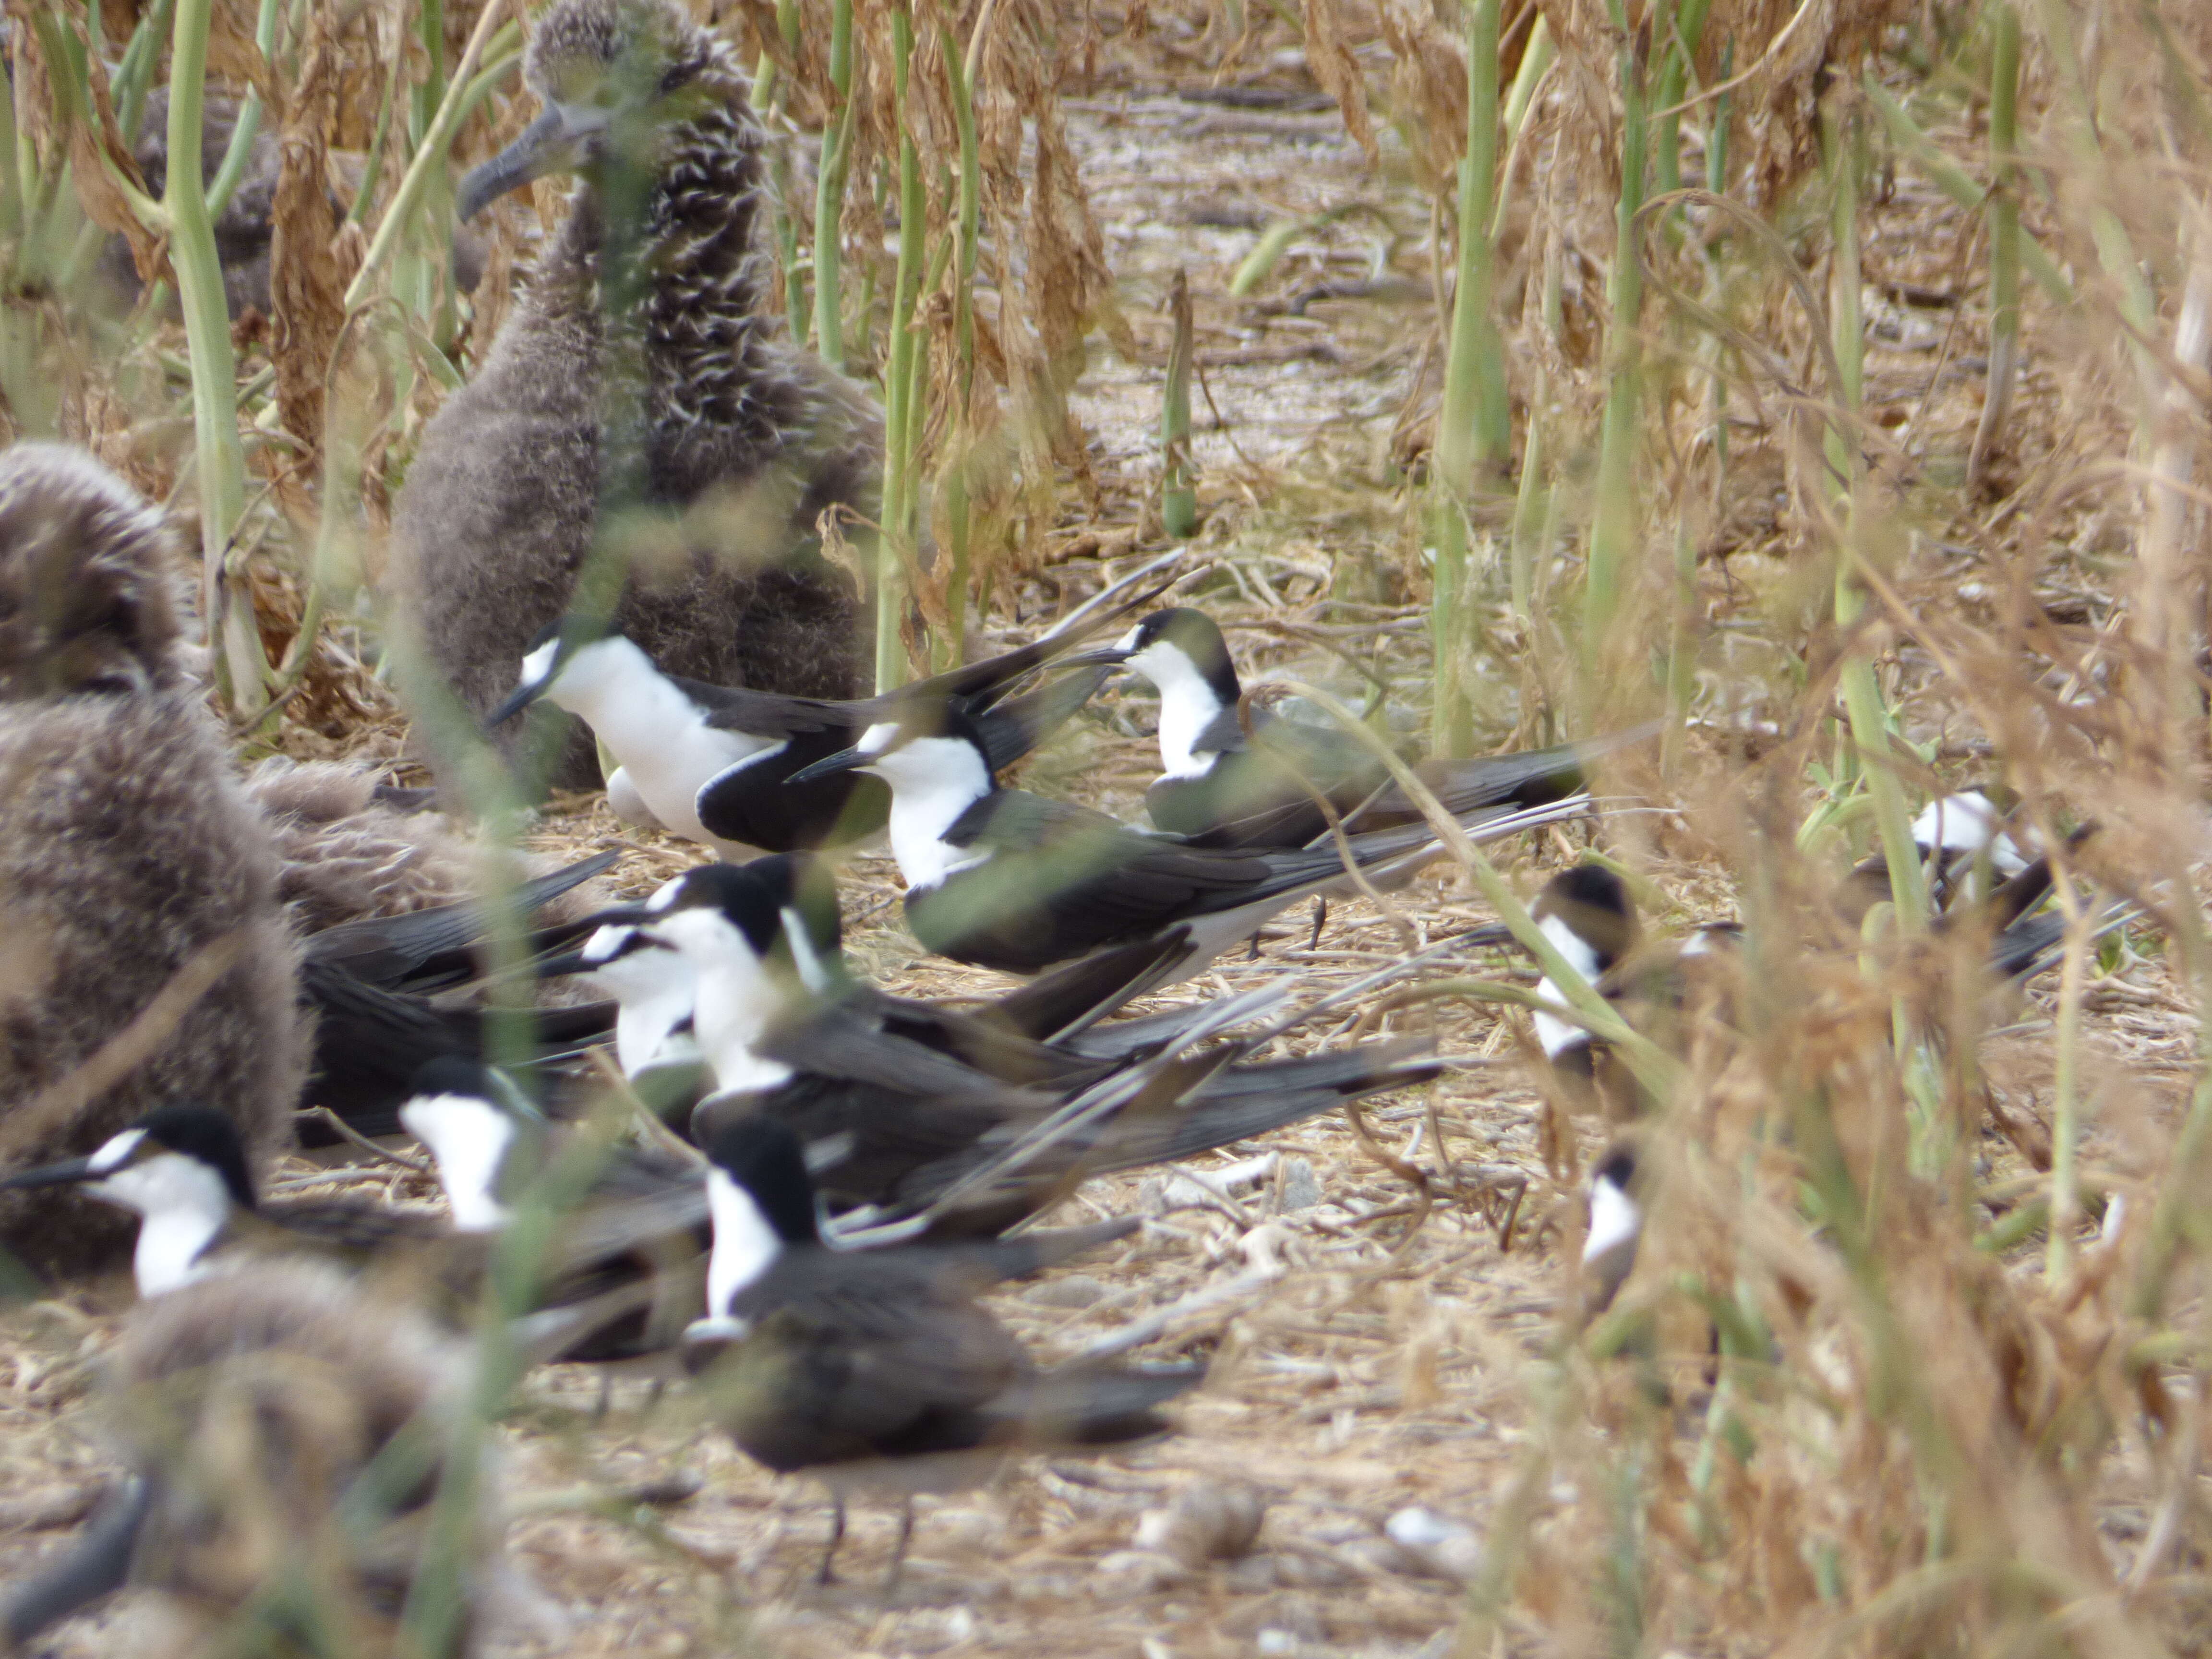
735,439
249,1406
349,853
127,851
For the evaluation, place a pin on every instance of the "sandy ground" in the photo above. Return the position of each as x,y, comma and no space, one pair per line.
1363,1365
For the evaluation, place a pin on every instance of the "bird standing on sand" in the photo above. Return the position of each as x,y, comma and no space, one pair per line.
878,1369
642,368
129,854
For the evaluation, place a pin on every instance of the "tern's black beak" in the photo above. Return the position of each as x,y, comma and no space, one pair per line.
1106,656
523,695
845,760
66,1173
551,143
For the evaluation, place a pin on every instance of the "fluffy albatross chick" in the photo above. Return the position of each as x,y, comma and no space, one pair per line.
736,438
249,1408
128,853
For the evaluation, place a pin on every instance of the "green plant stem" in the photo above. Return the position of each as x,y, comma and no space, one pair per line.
1862,702
958,529
1528,504
1178,485
1949,178
901,378
1472,439
429,160
830,192
1612,523
2066,1105
1667,151
248,125
2005,237
235,642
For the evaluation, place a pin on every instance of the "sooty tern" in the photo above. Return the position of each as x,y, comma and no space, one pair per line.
182,1169
370,984
1220,787
260,1417
1045,1029
1007,879
891,1096
878,1369
716,764
1588,915
1616,1226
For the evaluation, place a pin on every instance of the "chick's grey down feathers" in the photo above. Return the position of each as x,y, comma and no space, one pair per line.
740,439
127,849
248,1407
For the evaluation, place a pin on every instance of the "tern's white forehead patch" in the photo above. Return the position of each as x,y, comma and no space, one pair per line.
1615,1219
877,738
1961,822
117,1152
605,943
1132,640
665,896
1581,954
539,663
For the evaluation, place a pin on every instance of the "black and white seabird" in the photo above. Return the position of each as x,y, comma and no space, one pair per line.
1044,1029
1220,787
183,1170
878,1369
1587,913
129,853
1616,1226
184,1173
1007,879
688,402
716,764
389,995
895,1097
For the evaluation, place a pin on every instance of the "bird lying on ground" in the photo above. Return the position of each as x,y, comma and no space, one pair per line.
1007,879
1221,788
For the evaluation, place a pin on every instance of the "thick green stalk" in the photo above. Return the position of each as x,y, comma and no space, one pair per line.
239,667
248,125
958,532
1472,438
901,418
2004,240
134,76
829,190
1612,522
1949,178
1666,154
1862,702
2066,1105
430,91
1178,478
429,160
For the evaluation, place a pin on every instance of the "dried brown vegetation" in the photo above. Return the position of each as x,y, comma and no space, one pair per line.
1896,1370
